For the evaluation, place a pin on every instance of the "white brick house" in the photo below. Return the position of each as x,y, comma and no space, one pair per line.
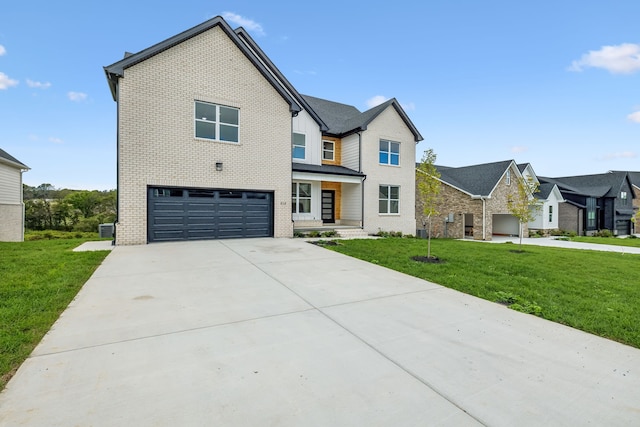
207,129
11,203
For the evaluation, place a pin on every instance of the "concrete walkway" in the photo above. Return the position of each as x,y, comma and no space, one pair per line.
281,332
554,242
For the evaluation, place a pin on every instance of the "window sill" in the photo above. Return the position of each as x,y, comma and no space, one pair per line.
216,141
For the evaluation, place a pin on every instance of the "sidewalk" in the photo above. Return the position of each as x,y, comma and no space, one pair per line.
554,242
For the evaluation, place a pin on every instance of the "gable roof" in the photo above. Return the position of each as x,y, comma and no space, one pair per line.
248,40
598,185
115,71
343,119
544,190
9,159
634,177
476,180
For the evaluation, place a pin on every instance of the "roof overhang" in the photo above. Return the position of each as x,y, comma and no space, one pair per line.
311,176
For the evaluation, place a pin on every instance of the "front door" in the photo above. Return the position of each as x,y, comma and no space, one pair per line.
328,208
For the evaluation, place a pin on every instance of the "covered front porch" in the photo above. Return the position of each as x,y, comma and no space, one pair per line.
325,196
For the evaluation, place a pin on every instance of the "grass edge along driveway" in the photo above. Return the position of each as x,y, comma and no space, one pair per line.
597,292
38,280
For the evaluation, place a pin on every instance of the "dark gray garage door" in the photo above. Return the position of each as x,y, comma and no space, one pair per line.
623,227
197,214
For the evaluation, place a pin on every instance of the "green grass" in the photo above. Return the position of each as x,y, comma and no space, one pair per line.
38,279
597,292
628,241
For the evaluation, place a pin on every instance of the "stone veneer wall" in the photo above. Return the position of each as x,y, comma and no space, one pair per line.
459,203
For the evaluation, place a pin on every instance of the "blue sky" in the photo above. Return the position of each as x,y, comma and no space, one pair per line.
553,83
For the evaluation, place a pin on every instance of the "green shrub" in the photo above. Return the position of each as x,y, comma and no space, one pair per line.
314,233
298,234
604,233
330,233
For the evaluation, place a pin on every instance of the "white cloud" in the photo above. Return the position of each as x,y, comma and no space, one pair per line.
519,149
39,85
620,59
634,117
77,96
376,100
6,82
55,140
620,155
409,107
246,23
2,50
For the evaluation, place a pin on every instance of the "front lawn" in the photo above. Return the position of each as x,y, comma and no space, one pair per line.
616,241
38,279
597,292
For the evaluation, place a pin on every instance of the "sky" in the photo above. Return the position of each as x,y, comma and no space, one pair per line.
552,83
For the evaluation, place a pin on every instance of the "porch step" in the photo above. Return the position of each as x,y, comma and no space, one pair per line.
351,233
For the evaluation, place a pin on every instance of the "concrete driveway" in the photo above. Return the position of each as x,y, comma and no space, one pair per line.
279,332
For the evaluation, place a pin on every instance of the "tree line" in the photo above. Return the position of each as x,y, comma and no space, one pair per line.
50,208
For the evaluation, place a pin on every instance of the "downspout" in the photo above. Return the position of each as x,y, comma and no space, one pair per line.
22,203
113,242
363,180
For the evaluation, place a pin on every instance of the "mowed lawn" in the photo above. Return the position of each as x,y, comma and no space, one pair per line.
615,241
38,279
597,292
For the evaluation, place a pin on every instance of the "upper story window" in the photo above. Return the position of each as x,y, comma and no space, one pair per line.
328,150
299,146
550,213
623,197
388,199
389,152
216,122
508,177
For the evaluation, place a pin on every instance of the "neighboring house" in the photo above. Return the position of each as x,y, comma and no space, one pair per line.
635,183
11,203
214,142
473,202
550,198
596,202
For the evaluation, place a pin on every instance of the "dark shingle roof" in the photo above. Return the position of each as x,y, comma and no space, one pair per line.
8,157
477,180
327,169
598,185
344,119
544,190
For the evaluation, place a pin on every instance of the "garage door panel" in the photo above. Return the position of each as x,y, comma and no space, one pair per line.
192,214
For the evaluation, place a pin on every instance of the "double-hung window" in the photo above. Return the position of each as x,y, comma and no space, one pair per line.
389,199
299,146
328,149
300,197
389,152
216,122
550,213
623,198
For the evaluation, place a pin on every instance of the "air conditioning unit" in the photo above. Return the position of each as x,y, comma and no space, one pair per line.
105,230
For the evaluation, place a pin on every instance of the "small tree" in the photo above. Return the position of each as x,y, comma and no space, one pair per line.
428,190
524,205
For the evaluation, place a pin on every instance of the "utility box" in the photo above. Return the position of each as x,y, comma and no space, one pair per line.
105,230
449,218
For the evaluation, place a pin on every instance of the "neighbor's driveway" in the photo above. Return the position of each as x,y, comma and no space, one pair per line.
281,332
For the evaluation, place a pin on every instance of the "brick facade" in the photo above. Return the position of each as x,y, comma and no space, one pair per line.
157,144
463,206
